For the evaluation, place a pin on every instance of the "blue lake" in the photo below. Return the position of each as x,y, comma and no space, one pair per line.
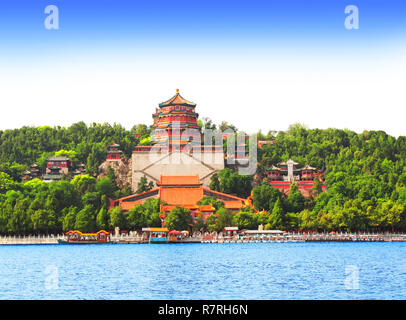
205,271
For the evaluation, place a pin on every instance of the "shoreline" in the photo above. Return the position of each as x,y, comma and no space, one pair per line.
295,238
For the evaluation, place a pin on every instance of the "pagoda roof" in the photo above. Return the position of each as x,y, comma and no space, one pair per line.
184,191
307,167
198,208
179,180
52,177
206,207
233,205
286,163
225,197
139,196
177,99
58,158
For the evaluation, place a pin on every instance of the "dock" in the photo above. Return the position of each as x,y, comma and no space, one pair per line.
305,237
210,238
27,240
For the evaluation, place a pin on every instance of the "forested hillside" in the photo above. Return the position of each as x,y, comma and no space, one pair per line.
365,176
24,146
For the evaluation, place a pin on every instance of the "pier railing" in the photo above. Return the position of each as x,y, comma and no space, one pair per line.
222,238
37,239
303,237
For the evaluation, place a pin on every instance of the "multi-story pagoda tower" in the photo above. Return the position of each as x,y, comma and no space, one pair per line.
174,119
176,146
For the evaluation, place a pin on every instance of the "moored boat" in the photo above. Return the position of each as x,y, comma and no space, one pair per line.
157,235
77,237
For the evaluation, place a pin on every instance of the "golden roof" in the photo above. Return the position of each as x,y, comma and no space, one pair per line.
177,99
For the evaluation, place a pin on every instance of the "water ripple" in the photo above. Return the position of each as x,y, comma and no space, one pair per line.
205,271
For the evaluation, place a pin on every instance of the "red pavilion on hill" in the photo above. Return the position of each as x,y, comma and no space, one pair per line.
113,152
284,173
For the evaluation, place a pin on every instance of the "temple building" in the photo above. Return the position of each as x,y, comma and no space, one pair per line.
80,169
285,173
33,173
176,148
53,174
177,162
113,152
185,191
62,163
58,166
174,118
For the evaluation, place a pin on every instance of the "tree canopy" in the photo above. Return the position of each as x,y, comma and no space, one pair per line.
364,173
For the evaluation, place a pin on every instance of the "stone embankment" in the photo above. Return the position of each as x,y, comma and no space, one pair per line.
305,237
219,238
43,239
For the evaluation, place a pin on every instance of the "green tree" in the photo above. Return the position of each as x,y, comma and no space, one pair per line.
296,200
244,220
105,186
199,224
137,218
111,174
217,204
144,185
71,154
264,197
69,219
233,183
6,183
44,221
307,220
84,183
63,195
224,219
215,182
102,219
276,218
14,170
211,221
85,220
19,221
118,218
178,218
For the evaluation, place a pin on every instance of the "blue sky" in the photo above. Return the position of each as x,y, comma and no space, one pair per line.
223,55
197,24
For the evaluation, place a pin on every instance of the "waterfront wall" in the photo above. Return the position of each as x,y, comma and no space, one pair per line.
221,238
42,239
303,237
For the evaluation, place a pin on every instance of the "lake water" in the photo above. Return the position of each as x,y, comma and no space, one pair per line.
205,271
